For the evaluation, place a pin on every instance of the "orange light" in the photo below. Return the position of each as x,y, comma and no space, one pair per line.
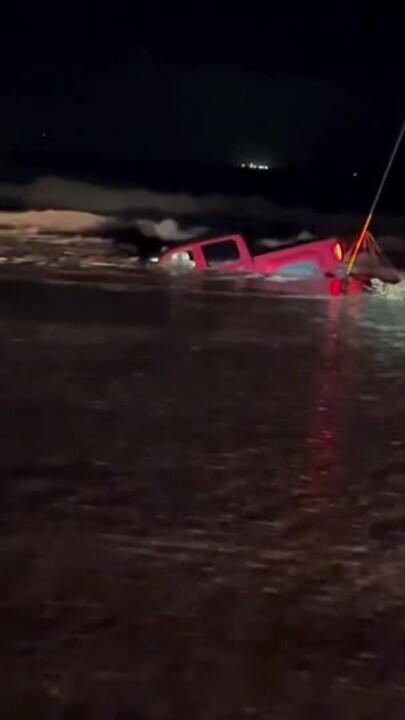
338,251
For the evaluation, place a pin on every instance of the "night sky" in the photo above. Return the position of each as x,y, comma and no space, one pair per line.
289,84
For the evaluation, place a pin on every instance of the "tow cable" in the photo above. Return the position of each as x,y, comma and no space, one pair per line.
365,241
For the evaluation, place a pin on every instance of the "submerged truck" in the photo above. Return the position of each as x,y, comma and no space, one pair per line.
232,253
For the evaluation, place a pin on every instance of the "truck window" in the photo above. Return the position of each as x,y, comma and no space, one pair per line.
220,252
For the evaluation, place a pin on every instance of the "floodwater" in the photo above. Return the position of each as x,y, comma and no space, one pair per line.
202,501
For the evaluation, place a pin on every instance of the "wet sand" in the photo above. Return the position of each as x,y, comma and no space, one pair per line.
202,508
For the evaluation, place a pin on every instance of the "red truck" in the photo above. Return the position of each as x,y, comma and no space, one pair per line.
231,253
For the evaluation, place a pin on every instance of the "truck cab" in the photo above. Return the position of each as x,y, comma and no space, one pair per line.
228,254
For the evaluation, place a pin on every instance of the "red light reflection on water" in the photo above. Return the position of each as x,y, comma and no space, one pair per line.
326,467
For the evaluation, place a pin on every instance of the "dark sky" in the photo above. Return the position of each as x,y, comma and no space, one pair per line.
288,83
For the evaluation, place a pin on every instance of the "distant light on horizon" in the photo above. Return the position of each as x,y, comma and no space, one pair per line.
255,166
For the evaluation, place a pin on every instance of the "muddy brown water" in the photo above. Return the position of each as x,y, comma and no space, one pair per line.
202,501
